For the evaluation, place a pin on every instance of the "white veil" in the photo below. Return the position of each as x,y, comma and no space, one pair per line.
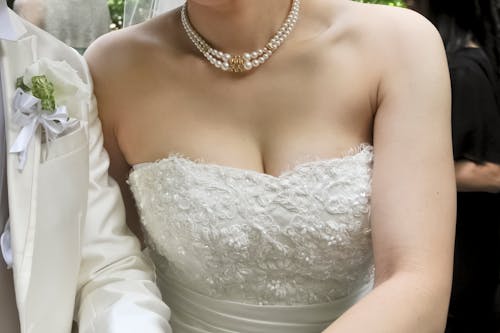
137,11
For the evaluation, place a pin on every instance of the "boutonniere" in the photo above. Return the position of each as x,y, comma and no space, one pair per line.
40,103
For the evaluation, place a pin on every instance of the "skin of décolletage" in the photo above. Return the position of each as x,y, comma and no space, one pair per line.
349,73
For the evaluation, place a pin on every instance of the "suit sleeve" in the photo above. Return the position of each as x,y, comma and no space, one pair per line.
116,290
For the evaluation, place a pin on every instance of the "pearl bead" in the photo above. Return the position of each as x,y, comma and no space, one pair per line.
247,65
251,59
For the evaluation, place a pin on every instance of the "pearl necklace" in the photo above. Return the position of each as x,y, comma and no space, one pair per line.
249,60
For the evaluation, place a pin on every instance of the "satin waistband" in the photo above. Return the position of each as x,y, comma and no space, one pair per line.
193,312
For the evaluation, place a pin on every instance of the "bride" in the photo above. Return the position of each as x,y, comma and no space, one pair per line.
291,163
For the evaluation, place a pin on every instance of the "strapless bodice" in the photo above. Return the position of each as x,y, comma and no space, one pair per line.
227,234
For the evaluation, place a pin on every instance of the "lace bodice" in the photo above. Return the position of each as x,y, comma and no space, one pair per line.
233,234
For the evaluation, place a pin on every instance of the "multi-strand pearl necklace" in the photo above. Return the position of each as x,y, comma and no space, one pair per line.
249,60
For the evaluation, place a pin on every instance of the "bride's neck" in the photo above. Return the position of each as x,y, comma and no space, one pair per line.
237,26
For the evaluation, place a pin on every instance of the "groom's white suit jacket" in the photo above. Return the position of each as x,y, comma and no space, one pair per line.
72,253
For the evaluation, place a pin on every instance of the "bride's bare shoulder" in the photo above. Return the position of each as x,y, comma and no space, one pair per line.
386,27
124,52
389,40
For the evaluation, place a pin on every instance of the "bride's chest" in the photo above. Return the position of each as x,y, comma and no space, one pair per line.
273,118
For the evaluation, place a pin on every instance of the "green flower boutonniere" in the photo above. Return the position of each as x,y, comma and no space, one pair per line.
42,89
40,101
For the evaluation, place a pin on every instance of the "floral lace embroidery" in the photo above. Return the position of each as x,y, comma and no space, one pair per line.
303,237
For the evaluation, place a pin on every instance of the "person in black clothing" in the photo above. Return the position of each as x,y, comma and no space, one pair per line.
470,31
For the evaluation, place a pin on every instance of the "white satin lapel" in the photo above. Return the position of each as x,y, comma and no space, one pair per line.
11,27
15,57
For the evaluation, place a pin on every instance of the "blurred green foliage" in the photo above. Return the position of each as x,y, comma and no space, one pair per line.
116,9
399,3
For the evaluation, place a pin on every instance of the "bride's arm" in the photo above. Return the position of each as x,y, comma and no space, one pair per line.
413,202
119,168
107,58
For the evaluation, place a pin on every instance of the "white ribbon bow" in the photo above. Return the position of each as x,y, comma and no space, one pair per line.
29,115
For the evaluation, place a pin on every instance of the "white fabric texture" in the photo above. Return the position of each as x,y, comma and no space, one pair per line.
9,321
8,29
241,251
6,245
70,245
4,208
5,242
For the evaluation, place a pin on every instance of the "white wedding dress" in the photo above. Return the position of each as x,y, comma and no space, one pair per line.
241,251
